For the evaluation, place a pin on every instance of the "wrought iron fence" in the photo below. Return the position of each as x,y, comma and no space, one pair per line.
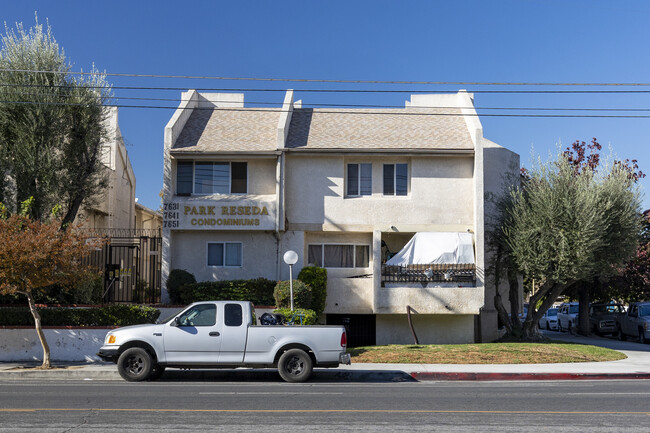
131,262
438,273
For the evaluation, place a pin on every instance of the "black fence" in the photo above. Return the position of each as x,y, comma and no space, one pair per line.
131,262
439,273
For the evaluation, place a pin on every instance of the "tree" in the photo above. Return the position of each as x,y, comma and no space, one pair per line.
51,126
36,254
564,226
586,158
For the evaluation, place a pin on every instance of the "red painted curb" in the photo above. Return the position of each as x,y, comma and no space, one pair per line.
526,376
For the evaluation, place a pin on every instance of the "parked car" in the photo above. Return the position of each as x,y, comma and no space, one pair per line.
549,320
603,318
566,316
216,334
635,323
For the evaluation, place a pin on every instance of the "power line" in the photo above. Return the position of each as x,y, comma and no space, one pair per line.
391,113
361,106
406,91
308,80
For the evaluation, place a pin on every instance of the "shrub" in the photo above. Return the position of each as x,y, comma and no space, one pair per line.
302,296
259,291
175,282
316,278
309,316
110,315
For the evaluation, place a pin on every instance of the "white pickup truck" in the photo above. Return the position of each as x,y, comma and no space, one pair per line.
223,334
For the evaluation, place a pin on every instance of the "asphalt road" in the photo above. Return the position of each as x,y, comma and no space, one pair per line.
273,406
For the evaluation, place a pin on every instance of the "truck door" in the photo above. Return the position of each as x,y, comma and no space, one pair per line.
194,336
235,331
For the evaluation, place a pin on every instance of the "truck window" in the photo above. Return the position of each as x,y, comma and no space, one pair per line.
199,315
233,315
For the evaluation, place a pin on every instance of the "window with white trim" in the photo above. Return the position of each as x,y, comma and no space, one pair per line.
210,177
396,179
339,255
225,254
359,180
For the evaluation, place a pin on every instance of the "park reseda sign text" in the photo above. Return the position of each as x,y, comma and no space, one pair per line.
219,215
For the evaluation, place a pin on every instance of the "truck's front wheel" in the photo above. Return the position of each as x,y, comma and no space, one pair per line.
295,366
135,364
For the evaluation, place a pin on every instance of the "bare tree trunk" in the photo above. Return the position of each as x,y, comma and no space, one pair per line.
548,294
39,329
502,314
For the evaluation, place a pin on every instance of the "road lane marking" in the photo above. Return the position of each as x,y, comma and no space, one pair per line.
294,411
608,393
270,393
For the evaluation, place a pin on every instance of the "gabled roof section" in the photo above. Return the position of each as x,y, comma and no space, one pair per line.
367,129
229,130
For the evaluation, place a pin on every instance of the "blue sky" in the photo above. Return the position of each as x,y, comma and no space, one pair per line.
478,41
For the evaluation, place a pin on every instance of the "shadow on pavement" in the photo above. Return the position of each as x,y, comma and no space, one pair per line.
271,375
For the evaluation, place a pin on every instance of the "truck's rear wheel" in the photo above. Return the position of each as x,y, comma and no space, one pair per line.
135,364
295,366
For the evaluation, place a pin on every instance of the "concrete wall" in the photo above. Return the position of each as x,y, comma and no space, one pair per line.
430,329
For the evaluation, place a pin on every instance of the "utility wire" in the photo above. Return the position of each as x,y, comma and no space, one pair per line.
413,91
361,106
307,80
391,113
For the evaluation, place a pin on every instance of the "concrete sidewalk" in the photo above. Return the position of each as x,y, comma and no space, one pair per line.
636,366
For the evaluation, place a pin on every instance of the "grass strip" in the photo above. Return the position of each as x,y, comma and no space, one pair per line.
487,353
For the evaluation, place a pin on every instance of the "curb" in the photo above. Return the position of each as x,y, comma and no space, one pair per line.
424,376
319,375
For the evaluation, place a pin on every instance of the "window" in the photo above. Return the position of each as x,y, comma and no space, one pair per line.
232,315
199,315
395,179
225,254
339,255
207,177
359,180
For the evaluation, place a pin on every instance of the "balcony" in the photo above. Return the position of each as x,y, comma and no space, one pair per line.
458,274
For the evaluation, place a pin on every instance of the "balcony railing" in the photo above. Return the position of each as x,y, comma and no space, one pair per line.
439,273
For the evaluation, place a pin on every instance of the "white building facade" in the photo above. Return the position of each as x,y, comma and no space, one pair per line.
344,188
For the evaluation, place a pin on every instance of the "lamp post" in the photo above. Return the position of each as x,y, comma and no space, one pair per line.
290,258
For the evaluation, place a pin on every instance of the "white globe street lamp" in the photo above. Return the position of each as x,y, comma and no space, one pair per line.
291,258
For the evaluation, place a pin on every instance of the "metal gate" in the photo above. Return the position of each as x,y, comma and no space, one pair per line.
131,262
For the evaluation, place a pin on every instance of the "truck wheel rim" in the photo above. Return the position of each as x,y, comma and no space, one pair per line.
295,366
134,365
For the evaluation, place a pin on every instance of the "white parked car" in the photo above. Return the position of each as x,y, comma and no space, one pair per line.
549,320
567,316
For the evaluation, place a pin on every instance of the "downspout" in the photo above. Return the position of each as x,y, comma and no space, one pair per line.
282,134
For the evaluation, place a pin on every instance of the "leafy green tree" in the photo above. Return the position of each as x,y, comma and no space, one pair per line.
565,226
52,125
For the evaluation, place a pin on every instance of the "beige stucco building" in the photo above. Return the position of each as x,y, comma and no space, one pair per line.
115,208
343,188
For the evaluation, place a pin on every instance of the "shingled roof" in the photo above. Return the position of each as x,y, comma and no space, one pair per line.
409,128
229,130
256,130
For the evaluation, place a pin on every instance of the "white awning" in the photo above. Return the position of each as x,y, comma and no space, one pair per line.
436,248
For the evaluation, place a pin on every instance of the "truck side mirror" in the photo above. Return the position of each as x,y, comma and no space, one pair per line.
175,322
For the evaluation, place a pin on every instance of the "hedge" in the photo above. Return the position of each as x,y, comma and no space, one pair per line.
177,279
316,278
259,291
110,315
301,294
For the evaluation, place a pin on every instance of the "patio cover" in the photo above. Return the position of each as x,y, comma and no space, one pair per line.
436,248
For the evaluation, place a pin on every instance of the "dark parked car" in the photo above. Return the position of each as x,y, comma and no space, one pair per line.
603,318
